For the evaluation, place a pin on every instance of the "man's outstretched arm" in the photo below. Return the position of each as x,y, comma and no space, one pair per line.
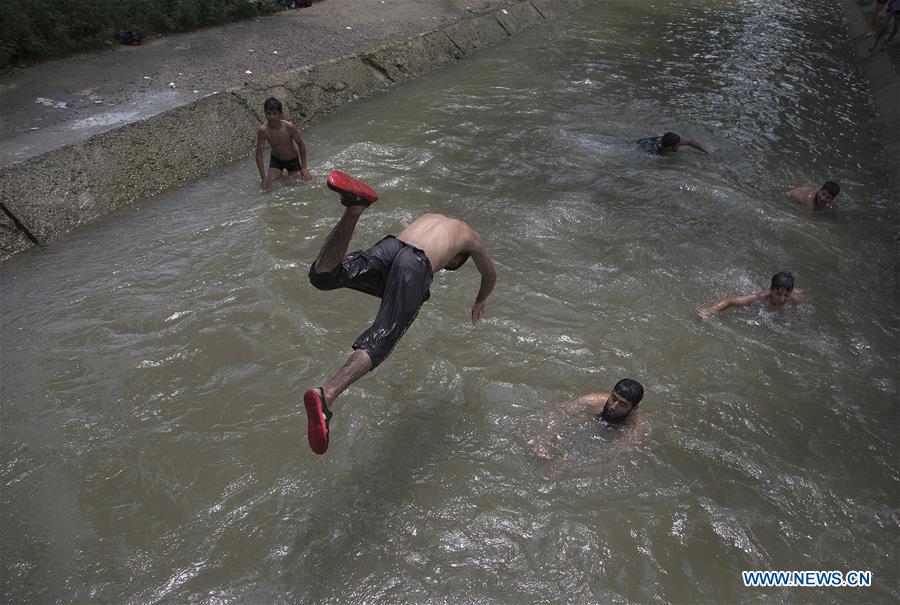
732,301
482,259
260,160
301,148
695,145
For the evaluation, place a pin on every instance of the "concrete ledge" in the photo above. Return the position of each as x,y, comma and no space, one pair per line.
60,190
56,192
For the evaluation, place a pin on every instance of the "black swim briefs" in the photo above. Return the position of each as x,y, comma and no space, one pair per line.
394,271
289,165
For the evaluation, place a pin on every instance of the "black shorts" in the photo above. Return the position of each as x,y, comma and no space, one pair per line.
394,271
289,165
650,145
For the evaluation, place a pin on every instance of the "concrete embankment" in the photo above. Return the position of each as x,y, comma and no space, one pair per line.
882,70
56,191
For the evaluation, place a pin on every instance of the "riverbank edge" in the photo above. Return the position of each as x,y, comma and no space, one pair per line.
56,192
882,73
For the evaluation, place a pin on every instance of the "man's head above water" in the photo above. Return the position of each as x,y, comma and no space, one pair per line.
827,193
622,400
781,288
669,141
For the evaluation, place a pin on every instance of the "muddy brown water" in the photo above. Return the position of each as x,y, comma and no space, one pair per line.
153,365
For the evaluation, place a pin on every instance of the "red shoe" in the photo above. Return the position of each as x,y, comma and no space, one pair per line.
317,419
353,191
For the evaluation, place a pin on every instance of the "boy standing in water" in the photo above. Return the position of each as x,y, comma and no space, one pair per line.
815,199
668,143
779,296
288,151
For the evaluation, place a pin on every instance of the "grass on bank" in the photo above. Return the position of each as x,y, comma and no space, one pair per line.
38,30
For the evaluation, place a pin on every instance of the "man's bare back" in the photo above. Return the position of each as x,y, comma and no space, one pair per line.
805,196
441,238
815,198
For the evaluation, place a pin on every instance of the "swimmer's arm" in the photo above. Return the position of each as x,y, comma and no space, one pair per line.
695,145
301,147
481,256
634,434
591,404
798,297
260,146
732,301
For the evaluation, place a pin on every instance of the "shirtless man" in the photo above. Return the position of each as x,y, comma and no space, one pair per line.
399,271
613,408
780,295
668,143
288,151
815,199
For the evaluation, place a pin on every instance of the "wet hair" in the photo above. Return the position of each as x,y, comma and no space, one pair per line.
670,139
832,188
630,390
272,104
455,266
783,280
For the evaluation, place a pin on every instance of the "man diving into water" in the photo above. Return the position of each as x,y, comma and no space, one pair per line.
398,270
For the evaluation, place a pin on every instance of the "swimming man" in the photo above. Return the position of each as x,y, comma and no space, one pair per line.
780,295
668,143
613,407
399,271
815,199
288,151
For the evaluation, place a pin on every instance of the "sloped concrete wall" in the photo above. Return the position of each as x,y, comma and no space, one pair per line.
56,192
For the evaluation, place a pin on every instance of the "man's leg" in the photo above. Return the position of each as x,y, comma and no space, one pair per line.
358,365
273,175
337,242
362,271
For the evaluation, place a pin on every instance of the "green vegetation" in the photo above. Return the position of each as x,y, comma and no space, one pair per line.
37,30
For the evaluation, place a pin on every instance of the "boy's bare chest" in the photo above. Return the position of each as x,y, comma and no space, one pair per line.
278,136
